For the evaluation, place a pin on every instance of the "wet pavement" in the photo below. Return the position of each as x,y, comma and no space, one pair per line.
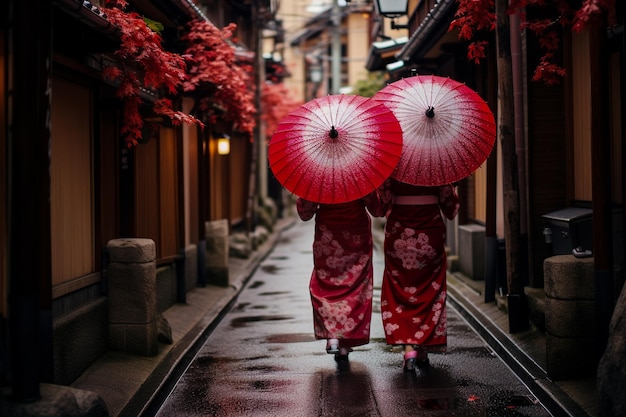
262,360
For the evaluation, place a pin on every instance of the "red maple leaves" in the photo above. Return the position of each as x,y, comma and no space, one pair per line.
278,102
143,66
223,86
474,16
214,69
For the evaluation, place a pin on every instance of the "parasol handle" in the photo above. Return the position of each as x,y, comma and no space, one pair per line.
430,112
333,133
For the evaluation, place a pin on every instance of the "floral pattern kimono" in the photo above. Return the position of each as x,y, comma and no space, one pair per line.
413,297
341,284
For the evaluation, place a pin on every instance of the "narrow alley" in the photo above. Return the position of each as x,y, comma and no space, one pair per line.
262,360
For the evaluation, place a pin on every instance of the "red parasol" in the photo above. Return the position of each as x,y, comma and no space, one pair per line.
335,148
448,129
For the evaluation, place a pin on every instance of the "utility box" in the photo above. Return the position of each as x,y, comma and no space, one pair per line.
569,228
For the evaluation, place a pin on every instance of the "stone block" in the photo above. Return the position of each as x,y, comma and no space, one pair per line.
166,287
132,292
191,267
567,277
132,295
240,246
452,263
611,375
131,250
57,400
266,216
217,243
570,318
164,330
537,307
136,339
217,252
142,339
570,358
117,337
80,337
261,234
472,251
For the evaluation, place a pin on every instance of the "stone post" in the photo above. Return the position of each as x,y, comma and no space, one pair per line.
472,259
217,252
570,317
132,296
611,374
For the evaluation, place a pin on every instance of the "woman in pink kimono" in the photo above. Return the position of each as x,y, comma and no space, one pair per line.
341,284
413,297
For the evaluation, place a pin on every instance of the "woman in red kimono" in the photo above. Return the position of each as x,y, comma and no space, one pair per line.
341,284
413,297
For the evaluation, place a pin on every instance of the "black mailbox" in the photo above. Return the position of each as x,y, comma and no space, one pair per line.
568,229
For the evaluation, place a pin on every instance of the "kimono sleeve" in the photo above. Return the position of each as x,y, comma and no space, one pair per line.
306,209
448,201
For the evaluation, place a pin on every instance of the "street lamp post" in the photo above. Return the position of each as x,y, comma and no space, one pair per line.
393,9
336,49
316,75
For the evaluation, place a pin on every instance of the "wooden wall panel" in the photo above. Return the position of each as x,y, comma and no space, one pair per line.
192,188
219,184
107,205
146,192
191,181
549,158
480,194
168,193
72,229
239,174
